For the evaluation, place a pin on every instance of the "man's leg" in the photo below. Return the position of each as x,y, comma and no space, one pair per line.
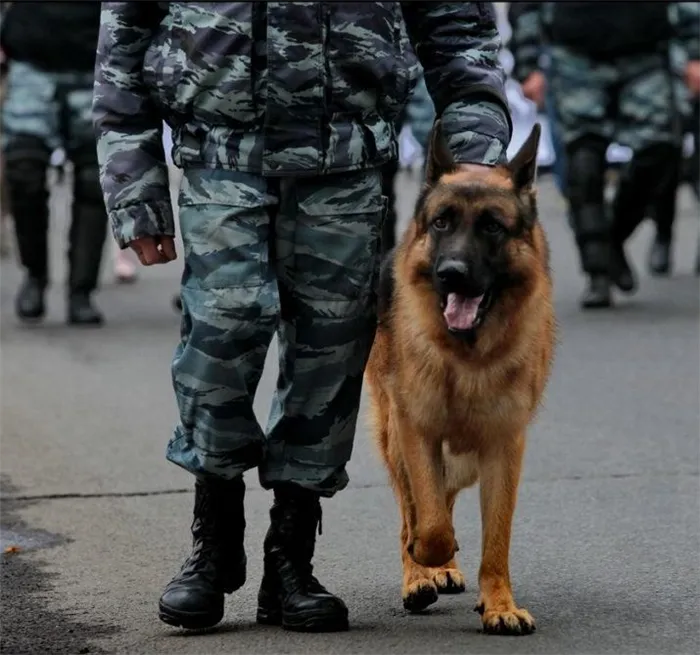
559,166
229,314
580,96
88,230
663,212
328,243
694,166
29,128
650,126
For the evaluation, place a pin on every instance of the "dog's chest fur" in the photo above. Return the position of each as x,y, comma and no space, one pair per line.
465,406
460,469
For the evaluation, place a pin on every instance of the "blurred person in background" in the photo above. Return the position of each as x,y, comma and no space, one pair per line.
282,116
5,216
529,50
610,78
124,265
418,114
694,168
51,49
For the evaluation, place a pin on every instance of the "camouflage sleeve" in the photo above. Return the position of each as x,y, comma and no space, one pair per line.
458,45
525,43
133,172
685,17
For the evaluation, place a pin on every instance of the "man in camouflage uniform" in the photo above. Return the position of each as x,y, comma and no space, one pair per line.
50,47
610,81
282,116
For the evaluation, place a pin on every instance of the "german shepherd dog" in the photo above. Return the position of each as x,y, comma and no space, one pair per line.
459,365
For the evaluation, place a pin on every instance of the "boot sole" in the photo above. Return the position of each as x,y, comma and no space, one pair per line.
660,271
597,305
626,288
303,622
189,620
31,320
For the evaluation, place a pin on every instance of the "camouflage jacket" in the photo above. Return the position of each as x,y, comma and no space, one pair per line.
282,88
529,20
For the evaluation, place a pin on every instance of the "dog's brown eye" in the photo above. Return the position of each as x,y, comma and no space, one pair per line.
441,223
492,226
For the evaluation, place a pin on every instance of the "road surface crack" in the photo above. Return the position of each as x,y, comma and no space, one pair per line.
167,492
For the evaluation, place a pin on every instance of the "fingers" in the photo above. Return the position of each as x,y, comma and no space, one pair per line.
147,251
154,250
167,248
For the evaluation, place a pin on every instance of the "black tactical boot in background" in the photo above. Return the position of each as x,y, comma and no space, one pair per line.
660,257
29,303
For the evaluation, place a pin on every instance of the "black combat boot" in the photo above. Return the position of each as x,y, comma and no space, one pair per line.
597,293
660,257
595,253
194,599
26,162
29,303
81,311
586,185
290,595
87,235
620,270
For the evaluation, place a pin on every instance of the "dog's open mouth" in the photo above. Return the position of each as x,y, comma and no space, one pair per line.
464,313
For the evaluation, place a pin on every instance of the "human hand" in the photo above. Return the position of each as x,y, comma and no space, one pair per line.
154,250
534,88
692,76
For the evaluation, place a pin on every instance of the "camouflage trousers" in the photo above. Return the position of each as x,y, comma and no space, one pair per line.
54,107
629,100
296,257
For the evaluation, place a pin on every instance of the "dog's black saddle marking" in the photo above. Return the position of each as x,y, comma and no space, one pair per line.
385,291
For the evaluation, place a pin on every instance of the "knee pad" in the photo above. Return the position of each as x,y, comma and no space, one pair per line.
86,175
26,162
585,171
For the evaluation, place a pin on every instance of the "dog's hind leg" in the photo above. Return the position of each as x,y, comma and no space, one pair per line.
500,474
449,579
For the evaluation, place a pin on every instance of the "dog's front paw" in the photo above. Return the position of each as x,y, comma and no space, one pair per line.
419,594
449,580
514,621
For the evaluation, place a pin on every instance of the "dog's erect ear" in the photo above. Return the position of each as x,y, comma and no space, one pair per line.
439,159
523,167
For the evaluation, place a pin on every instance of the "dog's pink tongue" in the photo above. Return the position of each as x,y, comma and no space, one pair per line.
460,312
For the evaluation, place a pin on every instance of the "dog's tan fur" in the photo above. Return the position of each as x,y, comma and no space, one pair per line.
447,414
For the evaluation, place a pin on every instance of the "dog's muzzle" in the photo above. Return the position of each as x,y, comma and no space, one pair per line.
463,301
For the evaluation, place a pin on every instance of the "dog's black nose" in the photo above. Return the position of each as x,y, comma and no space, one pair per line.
451,271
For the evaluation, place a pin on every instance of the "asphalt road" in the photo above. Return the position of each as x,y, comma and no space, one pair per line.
606,540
